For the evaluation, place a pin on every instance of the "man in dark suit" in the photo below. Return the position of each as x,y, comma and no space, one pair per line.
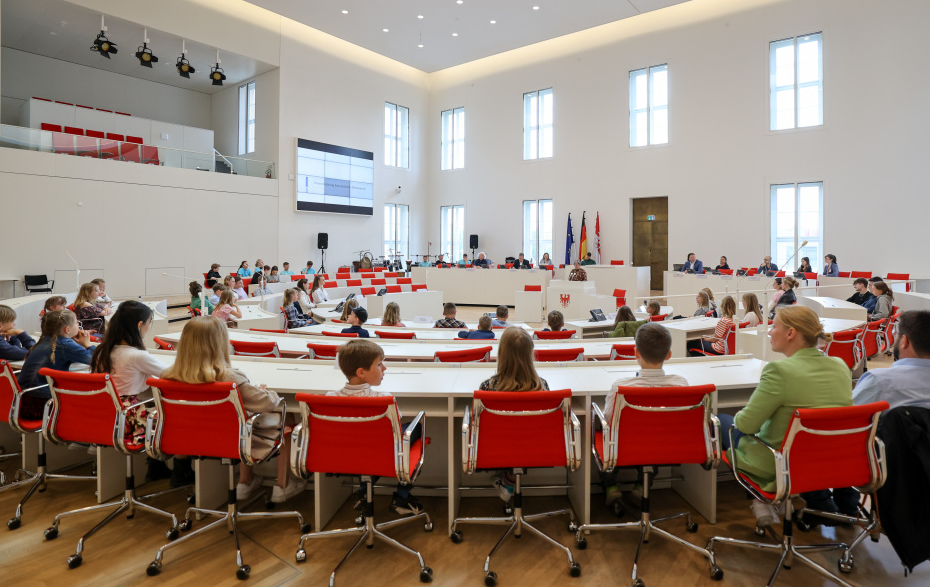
521,263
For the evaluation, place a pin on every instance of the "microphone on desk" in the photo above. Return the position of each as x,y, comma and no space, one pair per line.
804,244
77,270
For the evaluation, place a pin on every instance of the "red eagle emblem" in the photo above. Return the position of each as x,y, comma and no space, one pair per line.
565,299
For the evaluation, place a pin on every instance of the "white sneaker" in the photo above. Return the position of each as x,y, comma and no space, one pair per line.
766,514
294,486
244,491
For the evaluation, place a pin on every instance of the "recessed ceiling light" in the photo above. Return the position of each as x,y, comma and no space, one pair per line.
455,34
419,16
345,12
459,1
52,33
385,30
536,8
420,46
493,22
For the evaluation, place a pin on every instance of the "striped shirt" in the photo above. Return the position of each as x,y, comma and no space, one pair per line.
721,331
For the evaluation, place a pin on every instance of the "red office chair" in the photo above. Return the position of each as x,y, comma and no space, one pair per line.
476,355
395,288
396,335
208,421
620,294
322,351
846,274
729,343
194,312
615,262
690,435
255,349
368,275
330,284
871,338
623,351
10,399
86,408
823,448
558,355
858,274
163,344
379,282
354,283
554,335
780,274
359,436
532,288
404,281
519,430
658,317
368,291
417,287
810,276
268,330
847,345
900,277
340,334
886,335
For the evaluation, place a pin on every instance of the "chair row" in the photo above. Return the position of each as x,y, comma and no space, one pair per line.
82,106
73,141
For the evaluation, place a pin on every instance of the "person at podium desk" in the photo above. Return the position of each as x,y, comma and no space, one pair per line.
425,262
521,263
693,265
830,268
439,260
722,265
578,274
463,262
805,266
481,261
588,260
545,261
767,266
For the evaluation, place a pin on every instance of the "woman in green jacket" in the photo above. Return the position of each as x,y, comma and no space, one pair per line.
805,379
626,324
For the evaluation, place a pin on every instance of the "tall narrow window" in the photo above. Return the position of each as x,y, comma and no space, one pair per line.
797,216
396,231
396,133
247,118
537,124
453,139
649,106
796,82
537,229
452,232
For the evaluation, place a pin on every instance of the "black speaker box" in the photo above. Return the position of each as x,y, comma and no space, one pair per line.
473,241
322,240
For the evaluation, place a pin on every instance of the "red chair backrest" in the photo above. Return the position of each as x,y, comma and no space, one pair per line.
379,282
51,127
268,330
857,274
368,275
368,291
475,355
397,335
393,288
404,281
116,137
255,349
163,344
658,317
296,277
870,340
615,262
846,345
378,269
810,275
683,415
833,447
780,274
559,355
129,152
329,284
522,429
202,420
553,335
149,154
844,274
136,140
354,282
900,277
72,130
622,351
417,287
532,288
85,408
322,351
95,133
352,435
392,274
10,392
751,272
726,271
340,334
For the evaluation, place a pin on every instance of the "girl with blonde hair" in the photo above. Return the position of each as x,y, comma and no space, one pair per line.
227,309
751,311
703,302
391,315
203,357
716,345
88,311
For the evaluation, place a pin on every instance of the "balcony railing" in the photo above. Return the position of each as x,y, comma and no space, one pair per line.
33,139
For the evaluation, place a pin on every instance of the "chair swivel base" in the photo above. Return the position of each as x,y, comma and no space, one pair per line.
647,526
230,518
369,531
517,523
786,546
128,504
868,522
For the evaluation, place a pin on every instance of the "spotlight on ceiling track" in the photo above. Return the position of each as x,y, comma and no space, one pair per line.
216,73
184,67
144,54
102,44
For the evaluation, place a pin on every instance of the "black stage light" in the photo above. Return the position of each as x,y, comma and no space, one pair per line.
145,56
217,75
103,45
185,69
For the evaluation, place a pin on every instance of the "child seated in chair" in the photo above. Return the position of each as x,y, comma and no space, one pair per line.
555,321
292,310
484,330
653,348
357,316
448,318
501,319
362,362
195,289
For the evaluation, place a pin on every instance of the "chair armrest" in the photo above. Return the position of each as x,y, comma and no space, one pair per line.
575,439
781,476
407,476
714,443
296,459
467,464
599,422
245,443
150,448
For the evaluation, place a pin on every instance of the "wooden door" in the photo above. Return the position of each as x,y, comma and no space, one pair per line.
650,237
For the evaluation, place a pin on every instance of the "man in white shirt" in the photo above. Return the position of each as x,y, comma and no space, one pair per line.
907,381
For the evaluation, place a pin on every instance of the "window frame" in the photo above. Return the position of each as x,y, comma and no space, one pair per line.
398,155
456,215
393,236
814,242
247,117
796,85
533,124
650,109
454,142
536,244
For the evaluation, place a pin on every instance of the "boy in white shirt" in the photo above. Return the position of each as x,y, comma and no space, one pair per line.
362,362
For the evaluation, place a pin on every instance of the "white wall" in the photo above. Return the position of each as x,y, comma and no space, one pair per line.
721,158
226,118
25,75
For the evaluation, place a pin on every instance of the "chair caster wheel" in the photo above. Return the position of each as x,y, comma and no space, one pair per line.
130,516
575,569
692,527
759,531
51,533
572,527
369,546
359,519
242,573
306,528
456,537
153,569
716,574
638,583
490,579
618,509
14,523
301,555
428,526
426,575
74,561
508,509
172,534
269,504
846,564
185,525
192,499
581,543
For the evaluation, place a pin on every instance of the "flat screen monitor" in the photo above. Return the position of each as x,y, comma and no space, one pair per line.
334,179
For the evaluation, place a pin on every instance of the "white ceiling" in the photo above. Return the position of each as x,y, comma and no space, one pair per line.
28,25
517,24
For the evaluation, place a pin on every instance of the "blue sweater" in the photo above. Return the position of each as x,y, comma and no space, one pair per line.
361,332
477,334
16,348
66,352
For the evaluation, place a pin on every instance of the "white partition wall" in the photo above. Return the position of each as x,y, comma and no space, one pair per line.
635,280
